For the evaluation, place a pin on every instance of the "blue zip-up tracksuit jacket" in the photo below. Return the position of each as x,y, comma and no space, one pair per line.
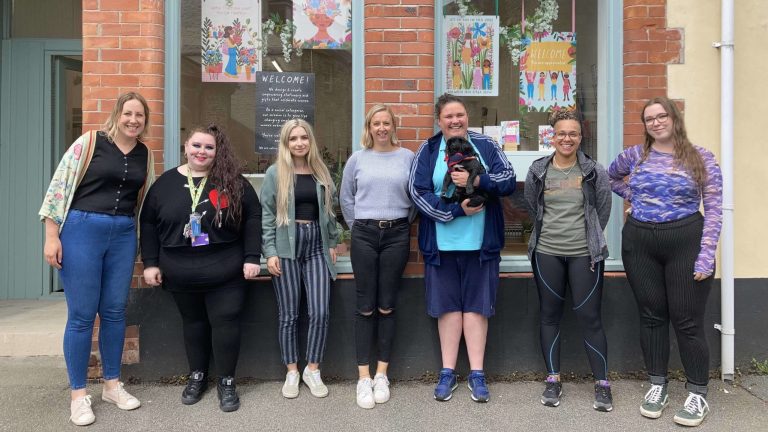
498,181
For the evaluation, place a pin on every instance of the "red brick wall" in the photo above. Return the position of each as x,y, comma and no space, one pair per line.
649,46
399,71
123,50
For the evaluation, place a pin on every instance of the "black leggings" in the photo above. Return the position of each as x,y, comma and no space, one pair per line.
552,274
378,258
659,260
211,320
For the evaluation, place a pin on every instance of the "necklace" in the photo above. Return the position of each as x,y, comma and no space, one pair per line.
563,170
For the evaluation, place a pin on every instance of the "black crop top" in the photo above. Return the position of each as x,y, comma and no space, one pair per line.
305,196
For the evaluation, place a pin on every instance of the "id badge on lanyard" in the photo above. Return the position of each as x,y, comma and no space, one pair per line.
193,230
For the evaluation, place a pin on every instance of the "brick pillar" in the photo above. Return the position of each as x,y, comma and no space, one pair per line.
649,46
123,50
399,71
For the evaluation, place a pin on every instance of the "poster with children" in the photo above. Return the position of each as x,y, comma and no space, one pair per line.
471,44
548,72
323,24
230,40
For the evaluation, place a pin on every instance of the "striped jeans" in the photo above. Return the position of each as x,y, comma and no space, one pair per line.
310,268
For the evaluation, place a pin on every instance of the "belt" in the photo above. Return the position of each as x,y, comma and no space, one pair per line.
383,224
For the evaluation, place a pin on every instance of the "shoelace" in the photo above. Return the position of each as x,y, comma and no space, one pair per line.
445,379
654,394
380,380
478,381
364,386
82,407
695,404
121,393
602,391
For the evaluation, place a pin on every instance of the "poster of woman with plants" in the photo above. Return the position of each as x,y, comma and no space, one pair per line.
323,24
230,40
472,56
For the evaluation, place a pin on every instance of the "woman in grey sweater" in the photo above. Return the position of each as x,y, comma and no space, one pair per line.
570,201
375,203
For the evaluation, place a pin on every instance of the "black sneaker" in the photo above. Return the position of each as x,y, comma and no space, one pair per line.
552,393
195,388
603,398
228,399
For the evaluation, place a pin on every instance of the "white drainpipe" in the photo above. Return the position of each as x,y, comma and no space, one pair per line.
727,327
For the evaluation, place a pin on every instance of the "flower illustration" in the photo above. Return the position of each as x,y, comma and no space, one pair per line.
478,30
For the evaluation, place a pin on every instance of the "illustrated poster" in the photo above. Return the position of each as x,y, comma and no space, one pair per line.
471,44
323,24
548,73
281,96
510,135
230,47
546,136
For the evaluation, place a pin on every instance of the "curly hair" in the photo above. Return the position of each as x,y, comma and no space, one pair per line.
685,154
225,174
564,114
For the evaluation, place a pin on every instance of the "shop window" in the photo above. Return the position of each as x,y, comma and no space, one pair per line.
234,105
512,114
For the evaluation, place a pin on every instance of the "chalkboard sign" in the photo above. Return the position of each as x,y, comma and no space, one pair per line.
281,96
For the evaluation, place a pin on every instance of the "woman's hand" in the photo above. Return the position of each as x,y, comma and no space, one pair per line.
469,211
250,271
153,276
273,266
333,255
459,178
52,251
699,276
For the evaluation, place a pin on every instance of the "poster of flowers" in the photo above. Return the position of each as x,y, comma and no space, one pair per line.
546,136
472,55
548,72
323,24
230,40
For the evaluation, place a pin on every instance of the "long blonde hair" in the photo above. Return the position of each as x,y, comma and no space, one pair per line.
365,140
286,175
111,125
686,155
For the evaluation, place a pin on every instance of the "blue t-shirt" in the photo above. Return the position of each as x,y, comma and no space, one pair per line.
464,233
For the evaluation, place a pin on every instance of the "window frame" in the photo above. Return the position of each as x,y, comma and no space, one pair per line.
610,130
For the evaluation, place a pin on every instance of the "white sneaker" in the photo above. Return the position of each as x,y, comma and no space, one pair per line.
120,397
80,410
315,383
380,388
291,386
365,393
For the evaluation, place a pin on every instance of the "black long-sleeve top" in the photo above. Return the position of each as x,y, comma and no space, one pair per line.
167,209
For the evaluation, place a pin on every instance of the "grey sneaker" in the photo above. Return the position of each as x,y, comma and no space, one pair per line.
693,412
655,401
552,393
603,397
291,385
315,383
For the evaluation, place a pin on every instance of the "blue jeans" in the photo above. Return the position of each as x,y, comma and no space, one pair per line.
98,254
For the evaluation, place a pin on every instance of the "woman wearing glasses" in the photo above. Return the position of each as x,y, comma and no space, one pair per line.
569,198
668,249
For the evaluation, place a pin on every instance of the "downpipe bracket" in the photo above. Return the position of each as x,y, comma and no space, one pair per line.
722,44
719,327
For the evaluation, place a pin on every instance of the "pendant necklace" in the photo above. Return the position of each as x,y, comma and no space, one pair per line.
563,170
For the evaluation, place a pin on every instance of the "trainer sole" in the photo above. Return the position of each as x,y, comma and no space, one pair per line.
450,395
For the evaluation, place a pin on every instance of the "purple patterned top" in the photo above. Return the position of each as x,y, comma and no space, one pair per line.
661,192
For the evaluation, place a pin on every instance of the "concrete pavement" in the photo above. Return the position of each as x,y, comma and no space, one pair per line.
34,397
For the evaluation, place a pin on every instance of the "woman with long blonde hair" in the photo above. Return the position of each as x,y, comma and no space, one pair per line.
299,240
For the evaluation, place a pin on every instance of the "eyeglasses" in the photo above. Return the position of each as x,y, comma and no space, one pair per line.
661,118
563,135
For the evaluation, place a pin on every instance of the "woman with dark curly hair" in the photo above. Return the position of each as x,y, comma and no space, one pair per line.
201,239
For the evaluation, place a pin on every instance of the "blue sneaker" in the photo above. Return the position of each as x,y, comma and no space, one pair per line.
446,384
478,387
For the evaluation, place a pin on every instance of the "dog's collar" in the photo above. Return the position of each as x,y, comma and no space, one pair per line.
457,158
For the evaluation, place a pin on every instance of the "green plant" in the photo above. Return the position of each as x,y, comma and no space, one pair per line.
761,367
527,225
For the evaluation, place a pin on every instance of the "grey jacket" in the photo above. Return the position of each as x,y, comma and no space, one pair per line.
597,202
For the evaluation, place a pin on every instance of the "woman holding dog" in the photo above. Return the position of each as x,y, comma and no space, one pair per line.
376,204
461,245
569,200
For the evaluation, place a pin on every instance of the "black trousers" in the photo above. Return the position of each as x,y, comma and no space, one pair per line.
211,322
659,260
553,274
378,256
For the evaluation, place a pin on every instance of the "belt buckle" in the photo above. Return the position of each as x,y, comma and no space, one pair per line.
385,224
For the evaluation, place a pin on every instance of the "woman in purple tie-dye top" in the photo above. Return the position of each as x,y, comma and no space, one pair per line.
668,249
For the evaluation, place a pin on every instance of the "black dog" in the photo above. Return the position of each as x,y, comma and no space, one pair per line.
461,156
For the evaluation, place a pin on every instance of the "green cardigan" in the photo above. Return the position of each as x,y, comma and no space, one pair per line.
280,241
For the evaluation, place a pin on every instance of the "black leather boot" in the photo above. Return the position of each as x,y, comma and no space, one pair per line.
195,388
228,398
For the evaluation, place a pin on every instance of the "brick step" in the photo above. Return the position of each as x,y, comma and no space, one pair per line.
32,327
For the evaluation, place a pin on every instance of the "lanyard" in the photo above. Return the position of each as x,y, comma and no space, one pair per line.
195,192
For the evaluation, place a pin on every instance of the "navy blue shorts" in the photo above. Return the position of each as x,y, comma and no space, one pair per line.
462,283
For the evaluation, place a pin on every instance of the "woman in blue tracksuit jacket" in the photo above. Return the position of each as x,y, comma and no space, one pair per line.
461,245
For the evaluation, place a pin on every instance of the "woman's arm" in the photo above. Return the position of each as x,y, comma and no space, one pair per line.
52,249
619,169
712,197
251,224
603,195
348,190
268,214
